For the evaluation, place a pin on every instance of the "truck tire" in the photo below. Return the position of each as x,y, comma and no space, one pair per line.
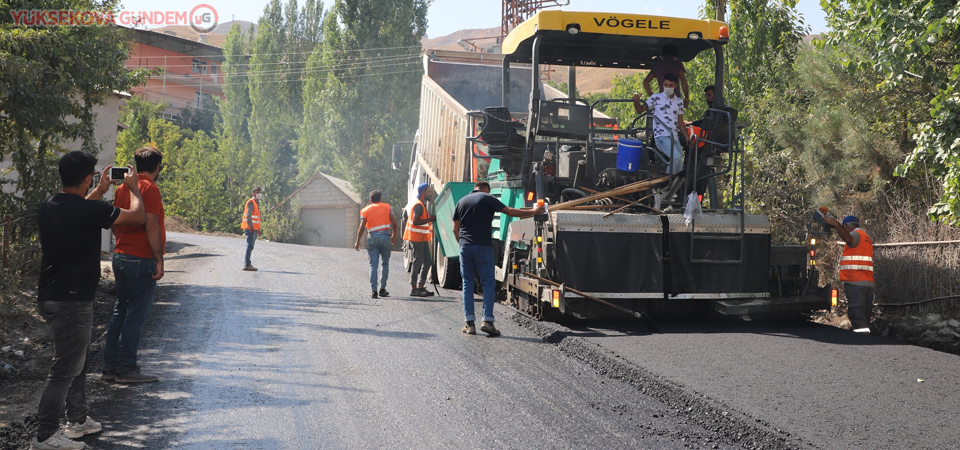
447,271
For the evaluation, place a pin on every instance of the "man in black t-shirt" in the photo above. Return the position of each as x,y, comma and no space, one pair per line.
70,228
472,223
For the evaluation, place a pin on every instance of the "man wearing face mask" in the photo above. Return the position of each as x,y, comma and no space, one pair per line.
70,229
251,225
667,110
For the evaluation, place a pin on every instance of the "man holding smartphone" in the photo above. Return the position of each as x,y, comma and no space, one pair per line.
70,229
137,266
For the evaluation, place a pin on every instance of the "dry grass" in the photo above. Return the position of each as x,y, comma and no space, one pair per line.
907,277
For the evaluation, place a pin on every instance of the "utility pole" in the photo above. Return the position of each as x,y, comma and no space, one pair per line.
721,10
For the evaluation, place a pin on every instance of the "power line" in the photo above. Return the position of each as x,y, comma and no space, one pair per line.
227,55
374,58
189,102
298,72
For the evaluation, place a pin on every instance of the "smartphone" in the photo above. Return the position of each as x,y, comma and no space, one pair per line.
117,173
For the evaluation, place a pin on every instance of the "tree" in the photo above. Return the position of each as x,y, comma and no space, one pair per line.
136,114
918,44
51,78
233,135
280,49
363,91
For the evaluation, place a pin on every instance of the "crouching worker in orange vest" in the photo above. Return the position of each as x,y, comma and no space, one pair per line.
856,271
419,233
250,224
381,227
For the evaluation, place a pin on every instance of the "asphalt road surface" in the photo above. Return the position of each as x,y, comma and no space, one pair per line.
297,356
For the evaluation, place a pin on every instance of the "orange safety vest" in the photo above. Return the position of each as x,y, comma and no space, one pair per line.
700,133
377,215
418,233
255,218
856,263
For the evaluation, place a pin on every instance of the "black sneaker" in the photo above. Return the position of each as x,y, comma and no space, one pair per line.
384,293
108,375
425,292
373,294
417,293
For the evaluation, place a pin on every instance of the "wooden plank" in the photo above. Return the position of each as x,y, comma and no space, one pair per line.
626,189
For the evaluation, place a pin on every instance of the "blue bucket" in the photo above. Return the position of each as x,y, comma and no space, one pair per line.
629,154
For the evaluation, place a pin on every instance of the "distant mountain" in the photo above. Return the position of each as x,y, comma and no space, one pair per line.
483,37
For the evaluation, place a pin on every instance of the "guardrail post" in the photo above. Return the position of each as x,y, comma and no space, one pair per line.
7,219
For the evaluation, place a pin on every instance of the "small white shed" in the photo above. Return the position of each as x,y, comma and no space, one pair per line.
329,211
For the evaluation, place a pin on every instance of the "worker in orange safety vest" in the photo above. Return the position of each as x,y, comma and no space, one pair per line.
419,234
377,218
856,271
250,224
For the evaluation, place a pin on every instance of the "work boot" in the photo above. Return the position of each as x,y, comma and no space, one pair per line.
425,292
469,328
487,327
250,268
384,293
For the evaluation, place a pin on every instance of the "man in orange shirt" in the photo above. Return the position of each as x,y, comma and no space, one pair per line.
251,225
137,266
377,218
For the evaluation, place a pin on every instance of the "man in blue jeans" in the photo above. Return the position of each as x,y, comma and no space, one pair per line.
250,224
137,266
71,224
472,223
381,225
667,110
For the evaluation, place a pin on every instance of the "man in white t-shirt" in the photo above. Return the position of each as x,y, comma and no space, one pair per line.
667,110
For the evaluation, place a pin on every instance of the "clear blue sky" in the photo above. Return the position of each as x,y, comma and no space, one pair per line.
447,16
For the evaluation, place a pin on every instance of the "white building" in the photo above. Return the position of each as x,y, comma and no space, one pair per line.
329,211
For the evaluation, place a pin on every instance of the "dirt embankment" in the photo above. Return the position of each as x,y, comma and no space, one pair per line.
26,349
23,330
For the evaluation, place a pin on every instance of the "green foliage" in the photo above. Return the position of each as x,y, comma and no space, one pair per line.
362,92
285,37
913,44
50,79
136,114
283,223
196,182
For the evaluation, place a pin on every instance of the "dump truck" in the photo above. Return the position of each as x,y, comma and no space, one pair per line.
621,237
